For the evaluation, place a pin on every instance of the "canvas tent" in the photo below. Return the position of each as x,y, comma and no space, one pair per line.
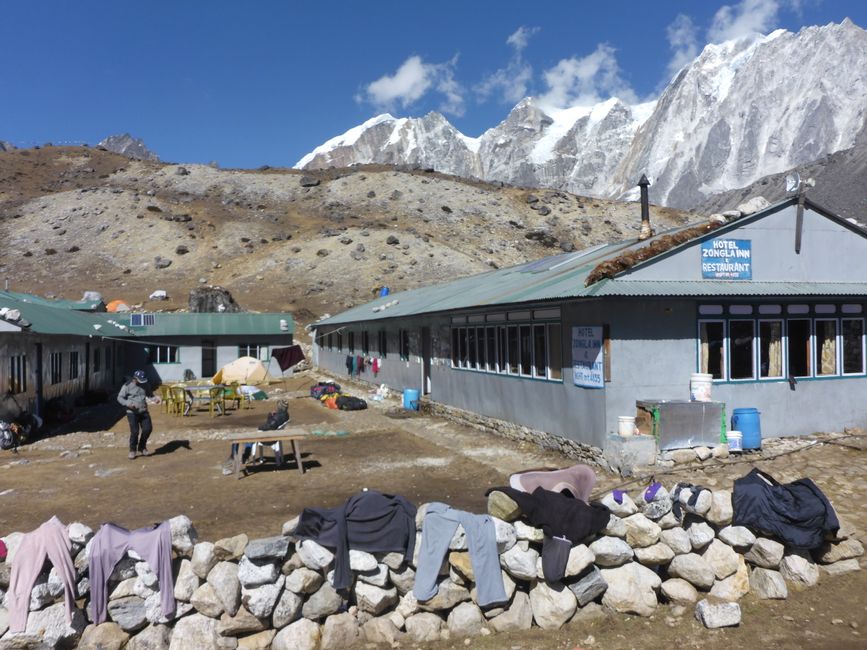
245,370
116,306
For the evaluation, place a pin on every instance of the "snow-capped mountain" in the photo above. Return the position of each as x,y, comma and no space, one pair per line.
741,110
129,146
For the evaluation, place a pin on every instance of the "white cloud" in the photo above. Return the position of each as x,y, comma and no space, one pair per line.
747,17
682,39
586,81
412,81
512,81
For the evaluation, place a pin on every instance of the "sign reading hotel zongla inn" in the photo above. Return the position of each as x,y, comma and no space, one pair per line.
727,259
587,356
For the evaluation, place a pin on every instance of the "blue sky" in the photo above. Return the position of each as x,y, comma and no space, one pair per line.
253,83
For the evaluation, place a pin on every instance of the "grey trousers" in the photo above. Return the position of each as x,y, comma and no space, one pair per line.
440,523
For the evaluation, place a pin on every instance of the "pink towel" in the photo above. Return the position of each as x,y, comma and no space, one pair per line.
577,480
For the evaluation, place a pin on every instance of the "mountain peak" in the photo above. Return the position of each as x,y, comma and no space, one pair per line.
128,146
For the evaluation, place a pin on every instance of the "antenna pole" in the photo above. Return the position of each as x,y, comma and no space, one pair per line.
799,220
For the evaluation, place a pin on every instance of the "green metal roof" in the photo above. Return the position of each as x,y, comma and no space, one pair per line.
77,305
210,324
53,320
565,276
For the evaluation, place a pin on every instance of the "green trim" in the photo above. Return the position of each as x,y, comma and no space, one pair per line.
488,373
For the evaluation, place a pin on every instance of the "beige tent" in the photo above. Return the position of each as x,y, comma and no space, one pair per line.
245,370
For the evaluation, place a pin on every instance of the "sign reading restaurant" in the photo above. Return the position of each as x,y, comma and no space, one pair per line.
727,259
587,357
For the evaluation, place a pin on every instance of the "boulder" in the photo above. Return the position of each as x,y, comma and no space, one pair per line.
753,205
184,535
654,555
241,623
841,567
393,561
259,641
615,527
424,627
694,569
206,601
702,502
668,520
835,552
448,595
314,556
518,616
374,600
204,559
287,609
624,509
408,605
656,508
227,587
403,579
381,630
267,549
361,561
461,562
631,589
107,636
552,605
308,181
520,562
324,602
589,587
714,615
289,526
339,632
303,581
377,577
641,531
765,553
611,551
700,535
505,534
799,570
739,537
153,637
51,625
526,532
720,513
677,539
187,581
768,584
508,585
735,586
154,609
212,300
253,574
12,541
722,559
195,632
262,599
466,620
303,634
580,557
129,613
231,548
79,533
679,591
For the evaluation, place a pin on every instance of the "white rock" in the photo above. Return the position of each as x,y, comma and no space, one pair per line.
518,616
615,527
753,205
714,615
505,533
251,574
184,535
12,541
841,567
659,553
520,563
722,559
287,609
408,605
466,620
314,556
702,502
611,551
692,568
403,579
641,531
51,625
382,631
206,601
580,557
303,581
720,513
203,559
667,521
224,580
765,553
735,586
700,535
767,584
378,576
703,453
799,570
361,560
374,599
260,601
843,550
631,589
393,561
303,634
423,628
79,533
679,591
677,539
624,509
552,605
529,533
738,537
187,581
290,526
339,632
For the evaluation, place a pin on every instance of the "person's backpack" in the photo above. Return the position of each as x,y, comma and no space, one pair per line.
8,439
350,403
324,388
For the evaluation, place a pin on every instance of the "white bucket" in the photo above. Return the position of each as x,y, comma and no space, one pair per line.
626,425
699,387
736,440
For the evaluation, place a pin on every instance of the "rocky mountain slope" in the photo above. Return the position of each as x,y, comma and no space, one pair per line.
741,110
128,146
77,218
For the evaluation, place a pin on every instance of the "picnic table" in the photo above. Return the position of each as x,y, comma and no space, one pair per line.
292,436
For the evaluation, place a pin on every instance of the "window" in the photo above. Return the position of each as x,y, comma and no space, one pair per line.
96,359
741,344
350,341
254,350
55,363
365,343
329,341
491,354
512,354
165,354
770,349
456,342
403,338
481,348
540,357
383,343
140,320
18,373
340,341
799,347
853,346
73,364
526,349
472,357
555,351
712,353
502,365
826,346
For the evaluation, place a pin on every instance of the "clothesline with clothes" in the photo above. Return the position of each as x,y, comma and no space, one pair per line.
357,364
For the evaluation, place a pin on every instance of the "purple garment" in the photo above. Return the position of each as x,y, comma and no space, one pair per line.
618,495
651,491
153,544
52,540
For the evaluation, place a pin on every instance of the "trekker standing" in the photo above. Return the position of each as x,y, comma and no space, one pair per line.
134,397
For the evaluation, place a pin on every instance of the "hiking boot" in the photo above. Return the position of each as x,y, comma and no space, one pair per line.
144,452
131,455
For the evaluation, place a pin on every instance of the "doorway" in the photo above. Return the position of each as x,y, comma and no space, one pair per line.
209,358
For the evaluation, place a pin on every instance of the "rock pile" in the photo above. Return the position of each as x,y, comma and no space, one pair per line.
276,592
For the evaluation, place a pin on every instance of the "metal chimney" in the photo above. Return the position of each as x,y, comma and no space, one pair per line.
646,231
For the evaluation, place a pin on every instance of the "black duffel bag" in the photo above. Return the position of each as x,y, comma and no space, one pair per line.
350,403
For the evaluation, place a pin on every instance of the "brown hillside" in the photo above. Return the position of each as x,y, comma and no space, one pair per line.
75,218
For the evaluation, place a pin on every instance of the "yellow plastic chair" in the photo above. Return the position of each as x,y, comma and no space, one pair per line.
167,400
232,393
216,399
180,399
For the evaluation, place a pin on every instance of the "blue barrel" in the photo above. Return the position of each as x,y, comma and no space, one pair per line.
410,399
747,421
383,292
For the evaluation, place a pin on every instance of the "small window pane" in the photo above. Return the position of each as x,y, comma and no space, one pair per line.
462,347
741,341
481,347
472,356
501,350
539,353
771,346
853,345
826,347
799,348
526,349
513,350
492,349
712,348
456,357
555,352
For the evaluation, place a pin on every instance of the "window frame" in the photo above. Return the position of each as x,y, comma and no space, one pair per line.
55,365
730,349
724,374
74,369
816,352
17,374
783,343
260,349
157,352
863,370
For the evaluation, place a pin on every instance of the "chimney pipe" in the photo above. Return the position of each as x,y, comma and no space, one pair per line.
646,231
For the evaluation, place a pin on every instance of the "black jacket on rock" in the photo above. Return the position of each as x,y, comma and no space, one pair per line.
798,513
368,521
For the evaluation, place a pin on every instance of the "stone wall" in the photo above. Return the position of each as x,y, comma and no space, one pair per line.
276,592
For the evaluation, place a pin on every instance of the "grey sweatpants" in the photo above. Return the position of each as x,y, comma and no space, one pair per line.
440,523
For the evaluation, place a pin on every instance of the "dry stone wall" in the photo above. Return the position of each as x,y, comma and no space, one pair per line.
276,592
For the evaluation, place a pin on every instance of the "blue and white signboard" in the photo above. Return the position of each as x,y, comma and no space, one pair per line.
727,259
587,357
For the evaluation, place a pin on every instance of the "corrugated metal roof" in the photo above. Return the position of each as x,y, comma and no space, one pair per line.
53,320
564,276
77,305
209,324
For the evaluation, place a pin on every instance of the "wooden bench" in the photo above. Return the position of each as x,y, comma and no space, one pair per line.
292,436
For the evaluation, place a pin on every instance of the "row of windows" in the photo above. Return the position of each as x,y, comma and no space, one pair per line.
531,350
171,353
335,341
739,350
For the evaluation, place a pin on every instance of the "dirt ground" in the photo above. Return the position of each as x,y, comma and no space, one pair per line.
83,474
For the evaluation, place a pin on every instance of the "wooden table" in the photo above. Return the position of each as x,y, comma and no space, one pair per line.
292,436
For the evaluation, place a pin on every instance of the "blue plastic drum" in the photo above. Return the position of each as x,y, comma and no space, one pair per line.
748,422
410,399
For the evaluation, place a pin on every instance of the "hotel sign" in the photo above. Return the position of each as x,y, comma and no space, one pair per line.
727,259
587,357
